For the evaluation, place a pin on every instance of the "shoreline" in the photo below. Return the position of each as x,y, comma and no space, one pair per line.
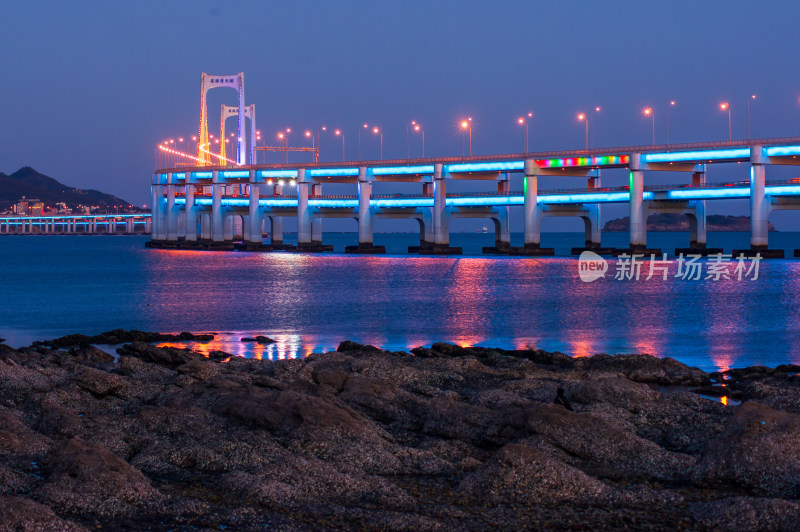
437,438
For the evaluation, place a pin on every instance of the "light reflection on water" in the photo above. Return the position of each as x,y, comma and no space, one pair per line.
310,303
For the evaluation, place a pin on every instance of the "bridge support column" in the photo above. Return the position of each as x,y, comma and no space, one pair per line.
148,225
276,232
172,211
155,209
760,207
129,227
228,228
592,232
255,232
441,216
365,218
190,229
638,209
217,214
303,211
533,215
502,229
697,235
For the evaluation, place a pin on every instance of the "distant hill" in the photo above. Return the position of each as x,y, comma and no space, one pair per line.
31,184
680,222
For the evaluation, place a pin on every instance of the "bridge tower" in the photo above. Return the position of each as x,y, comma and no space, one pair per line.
208,82
227,111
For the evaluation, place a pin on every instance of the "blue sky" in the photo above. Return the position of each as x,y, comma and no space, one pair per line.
89,87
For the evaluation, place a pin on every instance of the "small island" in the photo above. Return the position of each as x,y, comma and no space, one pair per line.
680,222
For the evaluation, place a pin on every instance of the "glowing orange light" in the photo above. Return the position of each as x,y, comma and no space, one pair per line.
416,127
530,115
375,130
723,106
464,124
648,111
280,135
581,116
308,133
597,109
337,132
180,139
365,126
288,130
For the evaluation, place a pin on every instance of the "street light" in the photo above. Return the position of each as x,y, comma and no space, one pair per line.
649,112
666,115
466,126
582,118
313,145
752,97
724,106
282,138
338,132
418,128
413,123
523,122
359,141
591,125
378,131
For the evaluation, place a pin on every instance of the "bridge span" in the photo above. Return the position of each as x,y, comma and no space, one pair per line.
195,208
79,224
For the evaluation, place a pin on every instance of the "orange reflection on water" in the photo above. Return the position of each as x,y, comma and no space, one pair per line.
285,346
724,400
465,315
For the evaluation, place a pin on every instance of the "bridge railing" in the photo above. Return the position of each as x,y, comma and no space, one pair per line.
619,150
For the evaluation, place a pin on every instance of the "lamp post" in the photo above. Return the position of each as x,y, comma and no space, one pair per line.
314,152
337,133
379,131
413,122
649,112
666,116
281,137
524,123
582,118
591,125
752,97
418,128
726,107
359,141
323,128
466,126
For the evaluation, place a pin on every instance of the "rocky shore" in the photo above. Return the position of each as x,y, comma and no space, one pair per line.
437,439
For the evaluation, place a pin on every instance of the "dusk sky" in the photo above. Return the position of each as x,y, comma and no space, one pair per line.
89,88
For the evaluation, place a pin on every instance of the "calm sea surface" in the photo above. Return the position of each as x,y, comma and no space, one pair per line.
56,285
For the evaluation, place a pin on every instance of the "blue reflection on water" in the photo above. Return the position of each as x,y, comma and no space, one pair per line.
309,303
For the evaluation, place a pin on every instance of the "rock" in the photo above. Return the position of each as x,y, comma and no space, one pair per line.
259,339
85,477
91,355
600,447
100,383
165,356
758,452
735,514
521,475
347,345
645,368
27,515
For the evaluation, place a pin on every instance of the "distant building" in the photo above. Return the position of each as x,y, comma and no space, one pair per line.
61,208
28,207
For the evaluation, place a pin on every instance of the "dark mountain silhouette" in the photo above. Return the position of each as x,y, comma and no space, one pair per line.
680,222
29,183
